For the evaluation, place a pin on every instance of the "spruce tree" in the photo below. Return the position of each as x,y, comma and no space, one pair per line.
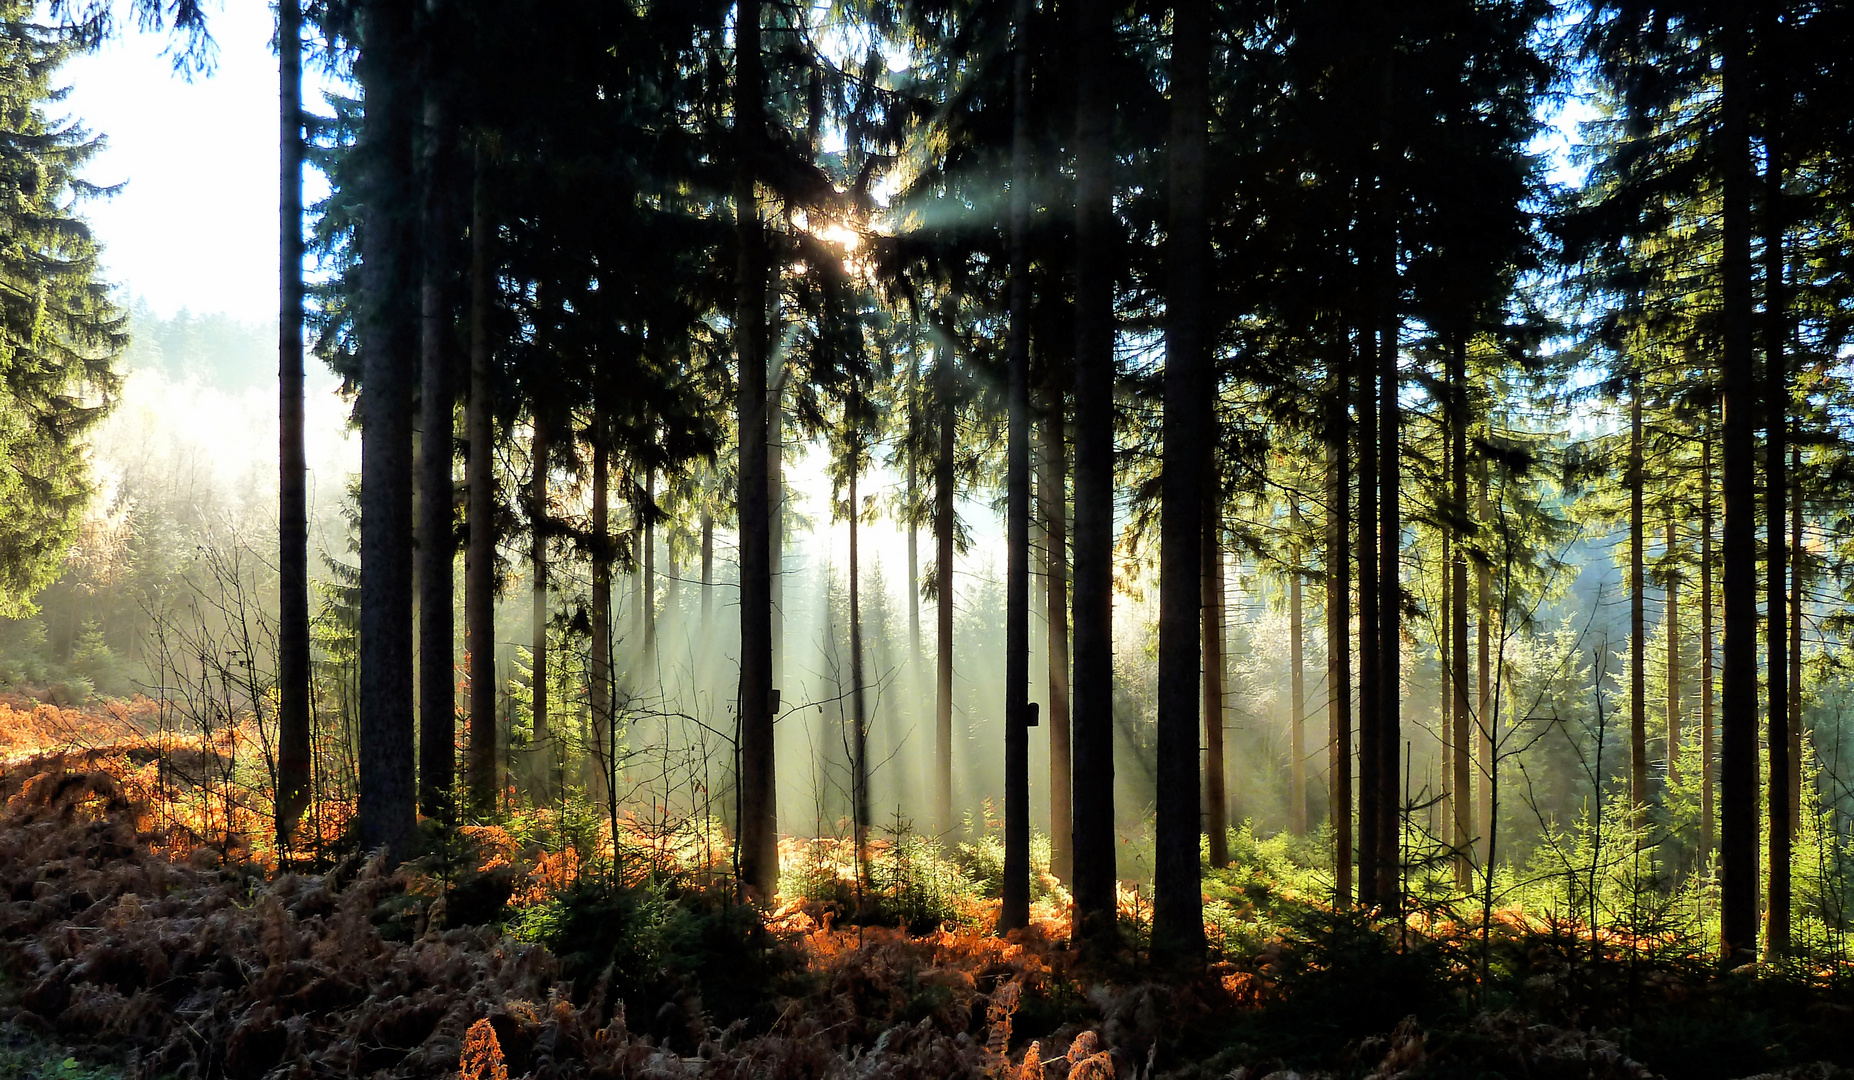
59,332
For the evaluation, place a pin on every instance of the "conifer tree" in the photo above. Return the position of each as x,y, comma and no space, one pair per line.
61,333
293,676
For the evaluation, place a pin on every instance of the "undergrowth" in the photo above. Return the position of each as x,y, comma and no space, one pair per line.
124,954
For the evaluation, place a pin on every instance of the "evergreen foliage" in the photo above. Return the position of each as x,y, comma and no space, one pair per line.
60,333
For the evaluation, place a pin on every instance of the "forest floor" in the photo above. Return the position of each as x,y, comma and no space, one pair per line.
123,953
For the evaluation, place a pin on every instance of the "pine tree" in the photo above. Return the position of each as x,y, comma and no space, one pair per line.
61,333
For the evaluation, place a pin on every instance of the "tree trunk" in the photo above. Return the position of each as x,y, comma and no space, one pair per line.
649,611
388,345
943,527
914,554
758,821
1052,497
1442,808
1339,638
1776,525
480,556
293,715
1671,590
1738,810
1095,871
1461,782
1796,618
1014,910
1708,753
708,570
859,736
775,502
1390,617
599,671
1297,706
1216,797
1370,656
437,553
1178,910
541,755
1486,716
1638,640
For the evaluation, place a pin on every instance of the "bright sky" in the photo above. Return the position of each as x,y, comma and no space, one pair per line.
196,225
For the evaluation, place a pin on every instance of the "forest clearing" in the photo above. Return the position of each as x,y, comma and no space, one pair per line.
1025,539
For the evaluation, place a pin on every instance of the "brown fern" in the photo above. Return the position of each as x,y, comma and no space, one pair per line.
482,1054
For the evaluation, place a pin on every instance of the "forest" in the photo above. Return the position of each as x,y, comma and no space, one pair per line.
1048,539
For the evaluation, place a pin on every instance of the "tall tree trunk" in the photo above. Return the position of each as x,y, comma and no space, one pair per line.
638,581
388,347
758,821
1052,497
859,716
1442,810
1297,701
599,671
708,570
915,682
1796,621
541,757
1638,640
437,552
1370,656
943,526
1708,753
480,555
776,496
1014,910
1738,810
1776,525
1093,719
1485,716
1216,797
1390,616
1339,636
649,612
1672,593
1178,908
293,716
1458,620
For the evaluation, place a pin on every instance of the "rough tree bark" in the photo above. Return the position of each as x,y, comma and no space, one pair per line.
1369,655
1390,618
1485,718
1776,526
437,552
1461,782
1052,497
1796,622
943,529
1638,656
1339,637
1216,797
293,734
1178,909
1738,810
599,671
859,715
1014,910
1093,720
758,859
541,754
388,328
1297,701
1708,752
480,554
1671,593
